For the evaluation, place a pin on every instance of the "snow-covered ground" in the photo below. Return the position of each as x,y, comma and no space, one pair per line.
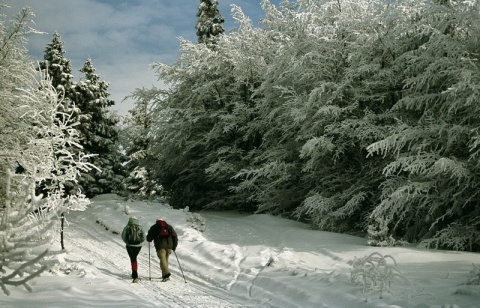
239,261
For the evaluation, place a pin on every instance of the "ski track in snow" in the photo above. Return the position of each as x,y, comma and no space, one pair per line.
237,261
111,258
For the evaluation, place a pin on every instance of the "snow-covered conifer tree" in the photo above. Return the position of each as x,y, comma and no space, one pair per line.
58,70
98,133
209,23
141,165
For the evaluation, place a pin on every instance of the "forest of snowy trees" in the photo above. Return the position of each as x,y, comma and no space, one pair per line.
354,116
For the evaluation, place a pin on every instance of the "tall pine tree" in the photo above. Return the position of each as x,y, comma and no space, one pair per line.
98,133
58,71
209,24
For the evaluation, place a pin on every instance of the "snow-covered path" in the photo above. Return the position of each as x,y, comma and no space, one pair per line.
239,260
111,259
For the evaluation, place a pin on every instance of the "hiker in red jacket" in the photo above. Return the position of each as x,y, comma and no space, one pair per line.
165,240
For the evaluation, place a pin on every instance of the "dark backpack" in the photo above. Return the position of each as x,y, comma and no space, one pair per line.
163,229
134,235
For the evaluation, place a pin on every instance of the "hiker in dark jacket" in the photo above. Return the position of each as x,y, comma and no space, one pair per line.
164,244
134,243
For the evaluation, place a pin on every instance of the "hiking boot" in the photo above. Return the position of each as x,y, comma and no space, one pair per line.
166,277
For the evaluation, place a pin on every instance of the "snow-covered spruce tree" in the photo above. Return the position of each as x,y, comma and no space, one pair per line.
434,174
140,180
98,133
209,24
58,70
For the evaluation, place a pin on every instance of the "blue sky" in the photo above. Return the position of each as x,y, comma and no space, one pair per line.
122,37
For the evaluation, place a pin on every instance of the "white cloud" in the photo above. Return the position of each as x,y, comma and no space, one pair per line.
121,37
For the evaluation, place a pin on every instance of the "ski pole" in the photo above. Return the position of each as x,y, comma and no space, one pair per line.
180,266
149,275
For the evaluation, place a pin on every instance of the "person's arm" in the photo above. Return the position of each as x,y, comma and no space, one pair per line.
150,233
174,237
142,237
124,234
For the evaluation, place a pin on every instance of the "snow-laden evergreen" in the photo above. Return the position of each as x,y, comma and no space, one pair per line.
58,70
58,67
209,24
98,132
339,113
88,101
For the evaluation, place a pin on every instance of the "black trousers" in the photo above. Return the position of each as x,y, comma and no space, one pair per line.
133,252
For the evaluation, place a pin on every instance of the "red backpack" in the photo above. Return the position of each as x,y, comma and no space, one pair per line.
163,228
